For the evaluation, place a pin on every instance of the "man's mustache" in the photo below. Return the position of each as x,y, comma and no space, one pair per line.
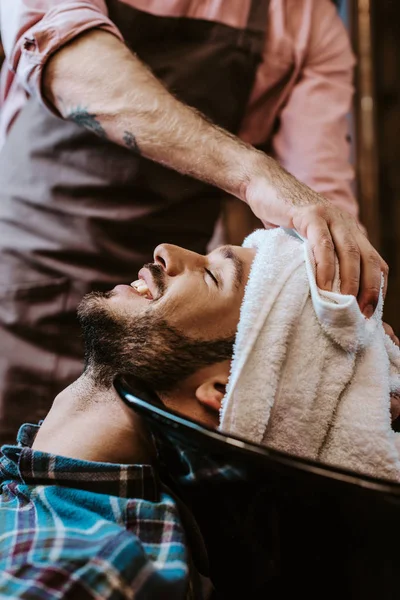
158,275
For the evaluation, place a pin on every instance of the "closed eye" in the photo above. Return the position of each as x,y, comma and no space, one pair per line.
212,277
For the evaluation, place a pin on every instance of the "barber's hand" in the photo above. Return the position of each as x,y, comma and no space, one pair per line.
389,331
329,231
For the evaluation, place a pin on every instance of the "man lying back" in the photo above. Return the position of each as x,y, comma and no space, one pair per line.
82,514
173,328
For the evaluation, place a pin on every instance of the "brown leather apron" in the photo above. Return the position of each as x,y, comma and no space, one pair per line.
79,213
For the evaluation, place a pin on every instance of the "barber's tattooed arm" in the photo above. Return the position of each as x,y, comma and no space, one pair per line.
81,116
130,142
124,102
129,106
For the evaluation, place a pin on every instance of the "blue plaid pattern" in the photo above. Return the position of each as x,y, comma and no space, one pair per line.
80,530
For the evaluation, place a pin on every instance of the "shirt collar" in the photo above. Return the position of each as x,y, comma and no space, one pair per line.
32,467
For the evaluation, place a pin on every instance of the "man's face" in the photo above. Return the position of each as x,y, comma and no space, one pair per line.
180,316
198,295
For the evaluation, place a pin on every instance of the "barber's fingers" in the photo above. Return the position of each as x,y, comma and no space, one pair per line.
330,231
360,265
349,256
372,269
312,225
389,331
384,267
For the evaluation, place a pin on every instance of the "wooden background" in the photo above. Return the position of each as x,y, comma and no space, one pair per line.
386,30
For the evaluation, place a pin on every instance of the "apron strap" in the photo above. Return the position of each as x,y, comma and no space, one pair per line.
258,14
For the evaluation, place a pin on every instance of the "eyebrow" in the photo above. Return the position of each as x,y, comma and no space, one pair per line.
227,252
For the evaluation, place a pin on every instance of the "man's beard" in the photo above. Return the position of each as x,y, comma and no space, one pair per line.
144,347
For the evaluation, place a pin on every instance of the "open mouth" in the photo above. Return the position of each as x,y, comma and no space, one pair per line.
150,283
141,287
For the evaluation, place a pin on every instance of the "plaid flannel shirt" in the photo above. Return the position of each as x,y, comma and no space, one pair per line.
79,530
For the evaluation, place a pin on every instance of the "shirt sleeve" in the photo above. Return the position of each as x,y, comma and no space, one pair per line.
312,141
32,30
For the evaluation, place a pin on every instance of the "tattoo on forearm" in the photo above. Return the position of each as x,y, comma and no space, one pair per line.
81,116
130,142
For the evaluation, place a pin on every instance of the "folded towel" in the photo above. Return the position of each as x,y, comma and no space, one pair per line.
311,375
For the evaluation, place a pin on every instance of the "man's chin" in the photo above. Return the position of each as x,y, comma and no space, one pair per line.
92,302
103,337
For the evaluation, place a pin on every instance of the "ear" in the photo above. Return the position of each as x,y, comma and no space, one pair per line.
211,392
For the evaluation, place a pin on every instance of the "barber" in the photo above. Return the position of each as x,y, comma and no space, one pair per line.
106,152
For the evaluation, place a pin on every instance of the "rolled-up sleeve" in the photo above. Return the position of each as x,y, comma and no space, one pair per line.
312,141
32,30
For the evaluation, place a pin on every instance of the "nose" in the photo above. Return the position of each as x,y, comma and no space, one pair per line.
174,259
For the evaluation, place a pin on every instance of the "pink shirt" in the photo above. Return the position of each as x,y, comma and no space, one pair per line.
301,96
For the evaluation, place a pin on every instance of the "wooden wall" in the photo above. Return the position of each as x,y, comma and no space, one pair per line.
386,29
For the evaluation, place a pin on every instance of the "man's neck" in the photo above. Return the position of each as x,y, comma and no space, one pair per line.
90,422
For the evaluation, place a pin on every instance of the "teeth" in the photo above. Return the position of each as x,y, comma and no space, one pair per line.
141,288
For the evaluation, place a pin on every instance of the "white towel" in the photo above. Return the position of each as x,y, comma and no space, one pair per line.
311,375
